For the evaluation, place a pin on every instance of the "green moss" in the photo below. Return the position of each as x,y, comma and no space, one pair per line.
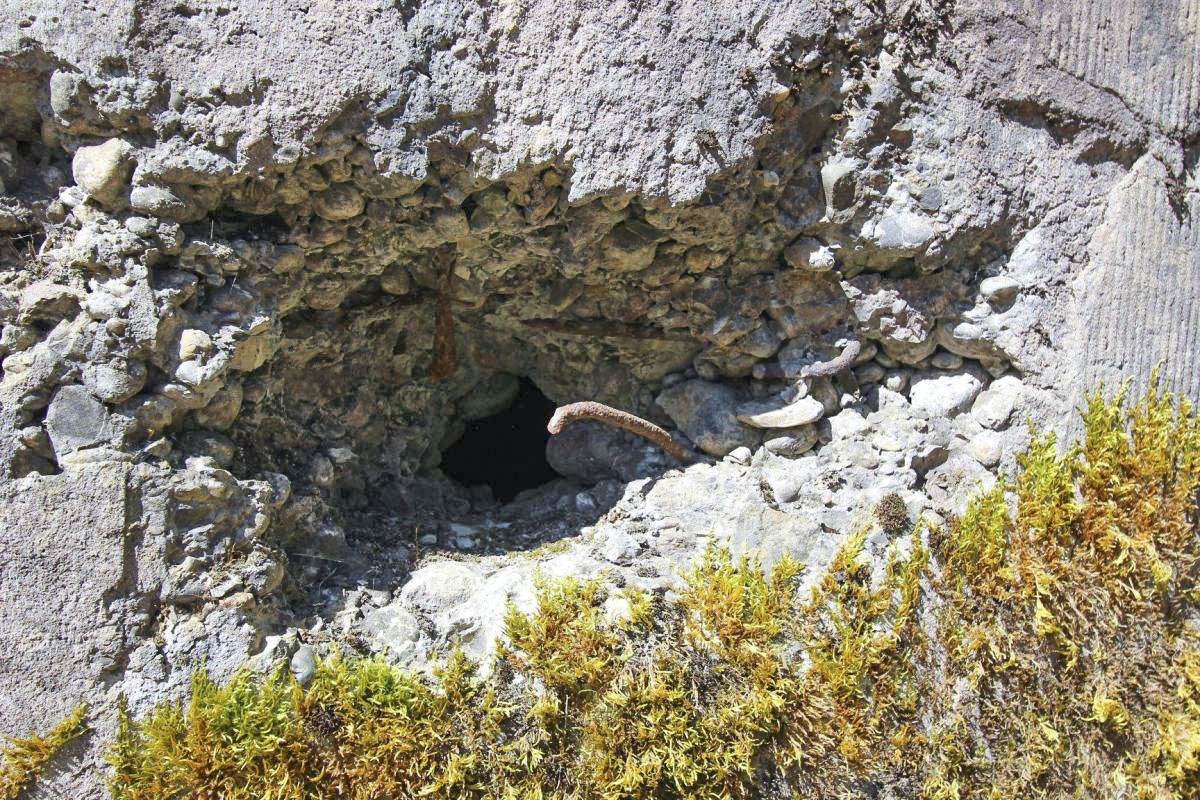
24,759
1043,645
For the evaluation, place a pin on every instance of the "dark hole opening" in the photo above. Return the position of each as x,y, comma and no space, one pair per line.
506,451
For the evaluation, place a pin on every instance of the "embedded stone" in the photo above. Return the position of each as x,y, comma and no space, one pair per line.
115,383
76,420
103,170
967,339
986,447
993,408
48,301
943,394
251,352
847,424
705,412
339,202
804,411
946,360
395,280
163,202
999,289
193,343
440,586
903,230
223,409
794,442
808,253
394,630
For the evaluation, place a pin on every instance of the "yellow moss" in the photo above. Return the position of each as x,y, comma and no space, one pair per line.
1043,645
22,760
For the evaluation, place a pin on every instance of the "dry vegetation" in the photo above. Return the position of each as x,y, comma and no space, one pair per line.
1046,644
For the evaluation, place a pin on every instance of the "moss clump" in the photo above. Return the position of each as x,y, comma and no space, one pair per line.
24,759
1044,645
1070,627
892,514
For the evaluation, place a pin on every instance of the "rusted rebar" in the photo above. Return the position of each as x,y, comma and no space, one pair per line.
616,418
445,354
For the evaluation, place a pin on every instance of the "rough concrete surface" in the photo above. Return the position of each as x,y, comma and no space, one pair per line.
263,263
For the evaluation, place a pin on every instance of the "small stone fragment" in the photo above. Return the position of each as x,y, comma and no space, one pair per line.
194,343
886,443
1000,289
903,230
395,280
896,380
795,443
847,424
619,548
304,664
869,373
928,458
48,302
808,253
739,455
114,384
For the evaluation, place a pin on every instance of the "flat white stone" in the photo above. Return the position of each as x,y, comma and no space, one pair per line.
804,411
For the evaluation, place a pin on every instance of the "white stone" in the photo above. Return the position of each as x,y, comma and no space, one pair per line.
999,289
804,411
904,230
739,455
883,441
847,424
393,629
896,380
304,664
943,394
994,408
987,448
619,547
163,202
103,170
194,342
